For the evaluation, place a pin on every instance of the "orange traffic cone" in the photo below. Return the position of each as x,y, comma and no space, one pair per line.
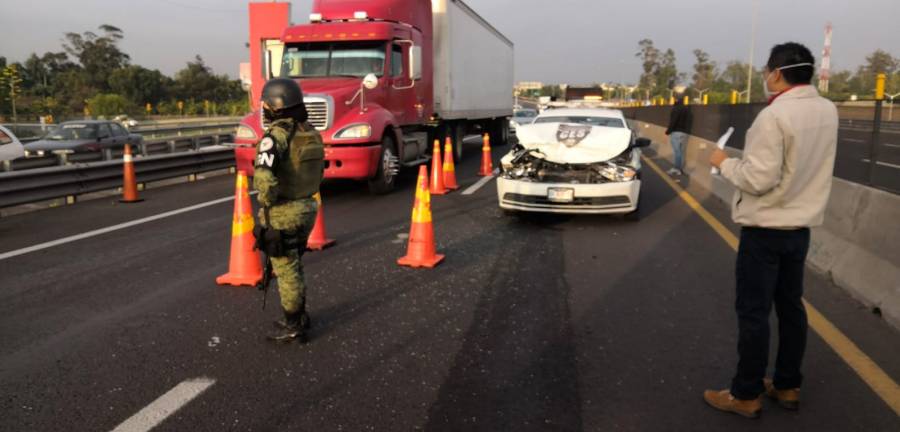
421,250
437,171
244,267
317,238
449,167
487,163
129,181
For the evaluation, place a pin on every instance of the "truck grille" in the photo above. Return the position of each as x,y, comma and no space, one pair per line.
318,112
317,109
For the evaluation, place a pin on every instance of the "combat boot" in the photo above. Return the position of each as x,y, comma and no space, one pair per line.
304,318
304,321
293,329
724,401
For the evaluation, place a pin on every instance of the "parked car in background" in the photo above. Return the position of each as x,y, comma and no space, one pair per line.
574,161
521,116
10,147
83,136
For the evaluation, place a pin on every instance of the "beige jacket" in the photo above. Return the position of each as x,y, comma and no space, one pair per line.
784,177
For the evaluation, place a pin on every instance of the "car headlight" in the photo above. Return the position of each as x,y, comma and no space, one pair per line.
618,173
245,132
356,131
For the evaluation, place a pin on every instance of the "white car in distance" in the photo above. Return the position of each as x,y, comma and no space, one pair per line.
574,161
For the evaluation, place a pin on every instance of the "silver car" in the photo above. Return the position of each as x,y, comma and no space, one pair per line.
10,146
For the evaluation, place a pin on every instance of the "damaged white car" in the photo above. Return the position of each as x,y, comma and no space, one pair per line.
574,161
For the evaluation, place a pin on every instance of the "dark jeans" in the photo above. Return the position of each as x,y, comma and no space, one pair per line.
769,270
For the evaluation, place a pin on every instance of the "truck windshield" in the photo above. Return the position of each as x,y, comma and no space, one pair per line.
311,60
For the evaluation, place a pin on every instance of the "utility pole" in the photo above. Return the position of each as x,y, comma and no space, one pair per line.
752,48
825,72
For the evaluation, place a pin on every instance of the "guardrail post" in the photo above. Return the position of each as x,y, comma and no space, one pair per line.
62,159
171,144
107,154
195,143
6,166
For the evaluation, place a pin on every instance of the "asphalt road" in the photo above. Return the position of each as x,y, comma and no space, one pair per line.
532,323
854,150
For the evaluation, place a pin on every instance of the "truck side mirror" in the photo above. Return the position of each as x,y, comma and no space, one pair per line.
415,62
370,81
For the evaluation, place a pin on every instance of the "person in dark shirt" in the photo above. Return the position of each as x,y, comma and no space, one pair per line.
679,128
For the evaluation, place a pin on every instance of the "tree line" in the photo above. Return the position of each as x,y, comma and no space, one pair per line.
660,75
92,76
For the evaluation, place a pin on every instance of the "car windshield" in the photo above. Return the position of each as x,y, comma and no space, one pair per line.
316,60
525,113
586,120
73,131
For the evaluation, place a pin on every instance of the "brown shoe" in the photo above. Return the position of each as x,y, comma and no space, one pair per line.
788,398
723,400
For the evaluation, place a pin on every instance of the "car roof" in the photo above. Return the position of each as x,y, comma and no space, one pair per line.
583,112
86,122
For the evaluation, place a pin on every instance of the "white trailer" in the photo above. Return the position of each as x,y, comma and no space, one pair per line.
473,65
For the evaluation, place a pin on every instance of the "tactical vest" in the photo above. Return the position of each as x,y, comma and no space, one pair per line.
300,172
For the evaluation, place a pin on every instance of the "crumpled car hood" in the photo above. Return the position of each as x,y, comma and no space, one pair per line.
565,143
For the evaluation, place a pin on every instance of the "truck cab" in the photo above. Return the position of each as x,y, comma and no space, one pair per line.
366,68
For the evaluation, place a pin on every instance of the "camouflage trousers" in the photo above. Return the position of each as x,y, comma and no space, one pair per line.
295,219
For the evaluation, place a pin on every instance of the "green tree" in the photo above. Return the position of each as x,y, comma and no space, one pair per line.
666,76
649,56
140,85
705,71
108,105
99,55
11,83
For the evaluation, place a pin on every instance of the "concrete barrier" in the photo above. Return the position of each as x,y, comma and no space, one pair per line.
858,247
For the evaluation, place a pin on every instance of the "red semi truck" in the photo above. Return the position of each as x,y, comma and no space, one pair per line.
383,78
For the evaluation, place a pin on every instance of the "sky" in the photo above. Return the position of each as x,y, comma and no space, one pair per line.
557,41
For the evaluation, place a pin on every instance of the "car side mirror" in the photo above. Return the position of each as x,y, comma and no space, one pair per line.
642,142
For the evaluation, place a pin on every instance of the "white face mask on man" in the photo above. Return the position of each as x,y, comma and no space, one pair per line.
770,93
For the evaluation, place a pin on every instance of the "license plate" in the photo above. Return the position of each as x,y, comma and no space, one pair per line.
561,195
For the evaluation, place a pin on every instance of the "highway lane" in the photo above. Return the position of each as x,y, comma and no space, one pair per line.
532,323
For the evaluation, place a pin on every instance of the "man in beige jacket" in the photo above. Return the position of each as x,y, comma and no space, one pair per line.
782,186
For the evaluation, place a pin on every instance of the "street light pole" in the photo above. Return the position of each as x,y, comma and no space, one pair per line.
752,48
891,109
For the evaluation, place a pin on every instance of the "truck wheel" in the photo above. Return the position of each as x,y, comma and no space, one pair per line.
388,167
500,132
459,134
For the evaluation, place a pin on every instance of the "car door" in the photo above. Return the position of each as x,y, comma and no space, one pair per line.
120,134
105,137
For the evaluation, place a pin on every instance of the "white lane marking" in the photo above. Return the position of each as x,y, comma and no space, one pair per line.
891,145
852,140
478,185
121,226
166,405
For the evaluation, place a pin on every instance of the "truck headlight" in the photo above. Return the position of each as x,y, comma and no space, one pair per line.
356,131
245,132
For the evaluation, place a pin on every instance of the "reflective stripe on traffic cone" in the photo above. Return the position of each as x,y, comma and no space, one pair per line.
129,180
449,167
421,248
437,171
244,268
318,240
487,162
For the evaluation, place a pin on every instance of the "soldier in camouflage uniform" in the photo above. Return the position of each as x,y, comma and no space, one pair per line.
290,163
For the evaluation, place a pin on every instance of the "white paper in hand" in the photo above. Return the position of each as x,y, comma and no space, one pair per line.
721,145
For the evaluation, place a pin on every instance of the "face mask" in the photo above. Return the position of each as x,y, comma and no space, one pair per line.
769,93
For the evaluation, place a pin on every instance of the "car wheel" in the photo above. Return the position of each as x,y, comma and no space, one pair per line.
388,167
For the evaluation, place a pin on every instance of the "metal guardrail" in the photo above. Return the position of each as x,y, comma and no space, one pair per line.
147,148
147,131
42,184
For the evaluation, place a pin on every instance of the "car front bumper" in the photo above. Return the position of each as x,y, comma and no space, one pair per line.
618,197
